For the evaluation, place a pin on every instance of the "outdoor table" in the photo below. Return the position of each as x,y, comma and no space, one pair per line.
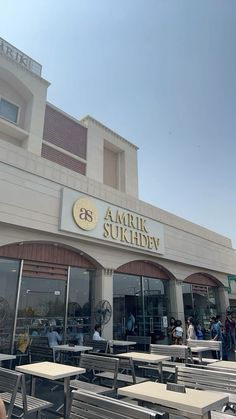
193,403
68,348
125,343
223,364
53,371
6,357
146,358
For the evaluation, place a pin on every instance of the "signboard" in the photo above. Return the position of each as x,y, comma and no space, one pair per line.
91,217
18,56
164,321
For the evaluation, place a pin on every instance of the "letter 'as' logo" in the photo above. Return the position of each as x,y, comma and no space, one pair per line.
85,214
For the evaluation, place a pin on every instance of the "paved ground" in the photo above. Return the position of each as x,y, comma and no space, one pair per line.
44,390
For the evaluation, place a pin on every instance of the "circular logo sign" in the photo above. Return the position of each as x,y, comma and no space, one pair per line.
85,214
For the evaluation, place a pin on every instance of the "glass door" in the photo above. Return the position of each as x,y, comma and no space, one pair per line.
155,301
140,306
127,306
41,304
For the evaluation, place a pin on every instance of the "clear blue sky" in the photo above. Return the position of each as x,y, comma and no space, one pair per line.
162,73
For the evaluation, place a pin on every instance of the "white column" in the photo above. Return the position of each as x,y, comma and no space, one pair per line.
223,300
176,300
104,291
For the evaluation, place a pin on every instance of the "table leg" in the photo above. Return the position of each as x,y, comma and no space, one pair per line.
200,357
66,397
160,372
32,385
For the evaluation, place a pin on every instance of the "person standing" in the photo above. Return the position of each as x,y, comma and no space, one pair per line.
130,325
178,333
216,334
172,329
230,330
191,330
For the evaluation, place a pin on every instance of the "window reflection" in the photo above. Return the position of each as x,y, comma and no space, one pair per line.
9,273
80,322
146,299
201,302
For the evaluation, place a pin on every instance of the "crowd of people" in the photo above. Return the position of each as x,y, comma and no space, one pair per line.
218,330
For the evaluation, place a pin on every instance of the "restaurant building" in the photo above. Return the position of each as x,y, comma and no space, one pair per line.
77,246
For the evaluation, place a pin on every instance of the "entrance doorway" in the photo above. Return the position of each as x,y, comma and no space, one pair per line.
41,304
146,299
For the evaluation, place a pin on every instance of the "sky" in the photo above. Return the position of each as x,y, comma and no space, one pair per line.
162,74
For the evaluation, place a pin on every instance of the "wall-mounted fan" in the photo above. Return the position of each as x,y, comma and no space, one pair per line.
103,312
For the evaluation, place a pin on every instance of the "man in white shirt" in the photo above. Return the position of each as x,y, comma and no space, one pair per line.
97,333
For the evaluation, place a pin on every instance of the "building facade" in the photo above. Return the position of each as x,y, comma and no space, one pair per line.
77,246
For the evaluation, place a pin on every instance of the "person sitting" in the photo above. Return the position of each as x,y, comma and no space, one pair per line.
97,332
53,337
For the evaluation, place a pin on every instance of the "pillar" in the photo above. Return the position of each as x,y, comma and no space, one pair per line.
176,300
223,300
104,291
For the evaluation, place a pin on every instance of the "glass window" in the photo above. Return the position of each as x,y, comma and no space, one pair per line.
156,297
80,305
9,272
139,306
41,304
8,110
201,302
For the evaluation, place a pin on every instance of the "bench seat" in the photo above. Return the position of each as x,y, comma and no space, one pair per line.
94,388
204,378
205,360
99,363
33,403
87,405
126,378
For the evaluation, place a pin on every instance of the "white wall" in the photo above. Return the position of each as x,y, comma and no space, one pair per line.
31,90
30,189
97,135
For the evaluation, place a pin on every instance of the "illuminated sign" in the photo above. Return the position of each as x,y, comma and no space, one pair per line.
98,219
19,57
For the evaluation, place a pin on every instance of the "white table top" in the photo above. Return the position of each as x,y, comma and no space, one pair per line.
50,370
122,343
76,348
223,364
6,357
144,357
193,401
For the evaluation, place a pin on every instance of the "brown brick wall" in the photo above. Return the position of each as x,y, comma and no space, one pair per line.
56,156
143,268
64,132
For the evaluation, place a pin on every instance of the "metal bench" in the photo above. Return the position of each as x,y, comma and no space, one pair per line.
13,394
126,372
39,341
86,405
179,354
221,415
213,345
99,345
40,353
97,363
142,342
208,379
